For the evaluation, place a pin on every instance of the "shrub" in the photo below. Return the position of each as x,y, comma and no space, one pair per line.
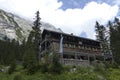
12,68
67,68
18,77
111,65
44,68
55,66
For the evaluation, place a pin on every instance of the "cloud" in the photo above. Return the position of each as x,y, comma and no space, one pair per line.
78,20
117,2
71,20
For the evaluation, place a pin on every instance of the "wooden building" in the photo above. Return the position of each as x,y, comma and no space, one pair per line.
73,50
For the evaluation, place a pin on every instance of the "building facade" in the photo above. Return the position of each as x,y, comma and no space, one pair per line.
73,50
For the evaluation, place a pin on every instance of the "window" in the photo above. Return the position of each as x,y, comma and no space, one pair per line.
96,49
82,47
73,45
65,45
85,47
70,45
80,43
89,48
79,46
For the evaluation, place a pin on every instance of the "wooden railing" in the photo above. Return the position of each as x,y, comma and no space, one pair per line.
82,51
75,62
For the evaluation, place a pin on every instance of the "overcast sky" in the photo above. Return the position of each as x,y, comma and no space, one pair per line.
72,16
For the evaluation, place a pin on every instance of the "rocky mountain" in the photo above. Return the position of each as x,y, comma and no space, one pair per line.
15,27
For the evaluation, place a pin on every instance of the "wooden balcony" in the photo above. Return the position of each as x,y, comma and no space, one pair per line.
81,51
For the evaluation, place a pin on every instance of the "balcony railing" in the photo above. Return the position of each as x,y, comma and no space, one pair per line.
77,50
75,62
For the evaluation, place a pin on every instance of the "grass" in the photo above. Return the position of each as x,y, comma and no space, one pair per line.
80,74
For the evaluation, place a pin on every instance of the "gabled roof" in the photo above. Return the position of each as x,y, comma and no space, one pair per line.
59,33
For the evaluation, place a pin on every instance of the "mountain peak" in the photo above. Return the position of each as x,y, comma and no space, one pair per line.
15,27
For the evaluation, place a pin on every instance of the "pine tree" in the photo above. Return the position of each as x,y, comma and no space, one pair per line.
115,39
30,59
37,32
103,37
